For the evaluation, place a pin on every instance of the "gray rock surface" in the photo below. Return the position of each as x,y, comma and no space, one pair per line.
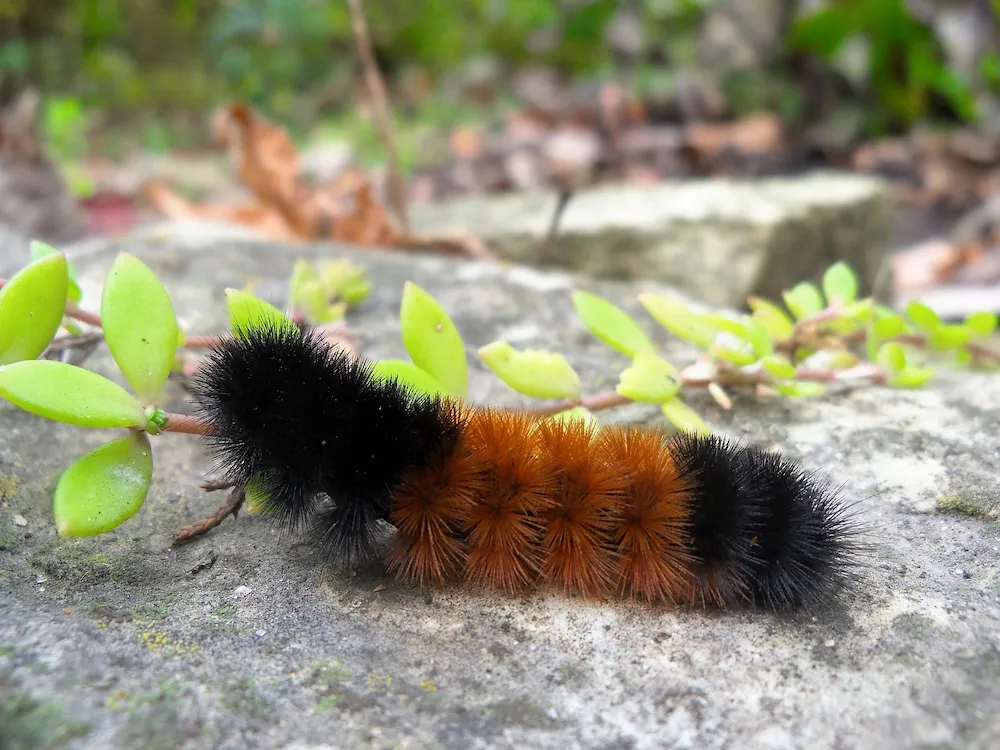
242,640
718,241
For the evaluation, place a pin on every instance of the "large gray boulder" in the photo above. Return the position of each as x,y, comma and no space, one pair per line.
719,241
241,639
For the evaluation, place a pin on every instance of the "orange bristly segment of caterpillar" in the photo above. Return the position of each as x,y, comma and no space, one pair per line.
578,545
519,503
651,532
503,521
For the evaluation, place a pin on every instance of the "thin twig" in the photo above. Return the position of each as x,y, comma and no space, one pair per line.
381,116
213,485
72,349
60,344
231,508
550,236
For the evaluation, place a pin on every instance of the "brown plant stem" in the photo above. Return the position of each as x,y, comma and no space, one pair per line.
186,425
196,529
381,116
202,342
83,316
613,399
978,351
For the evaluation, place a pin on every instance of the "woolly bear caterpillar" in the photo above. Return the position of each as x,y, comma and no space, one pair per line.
500,499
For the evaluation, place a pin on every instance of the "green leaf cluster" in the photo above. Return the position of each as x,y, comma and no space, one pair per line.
324,291
906,67
107,486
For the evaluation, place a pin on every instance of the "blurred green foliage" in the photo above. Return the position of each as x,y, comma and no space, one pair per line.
905,66
163,64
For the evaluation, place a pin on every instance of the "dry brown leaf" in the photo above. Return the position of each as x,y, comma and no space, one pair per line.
366,222
265,221
756,134
345,209
456,244
266,161
929,263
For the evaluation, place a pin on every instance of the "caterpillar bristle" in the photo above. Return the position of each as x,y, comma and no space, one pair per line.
651,525
721,517
579,556
805,540
428,512
502,521
502,500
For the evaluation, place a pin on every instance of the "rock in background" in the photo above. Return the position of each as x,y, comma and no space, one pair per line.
719,241
242,639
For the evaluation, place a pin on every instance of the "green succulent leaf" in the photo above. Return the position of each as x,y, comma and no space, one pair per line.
981,324
409,375
650,379
891,356
738,357
355,291
576,414
432,340
683,417
800,388
946,337
843,359
39,250
341,278
778,367
922,316
911,377
302,272
679,320
72,327
861,311
775,320
611,324
247,312
759,338
139,325
70,394
310,299
803,300
32,304
539,374
889,326
102,489
840,285
333,313
734,327
305,291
